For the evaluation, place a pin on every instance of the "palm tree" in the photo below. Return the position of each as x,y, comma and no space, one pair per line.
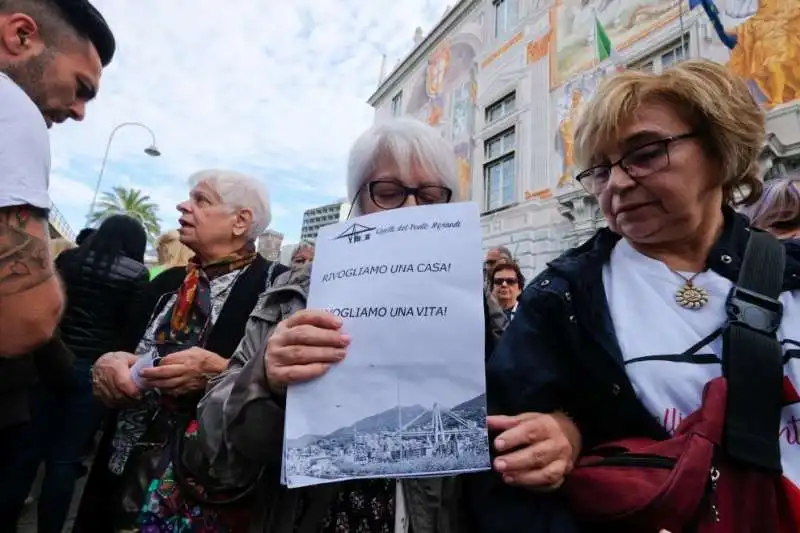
131,202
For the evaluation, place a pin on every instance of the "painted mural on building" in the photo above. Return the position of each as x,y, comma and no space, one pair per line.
443,95
625,22
572,96
767,50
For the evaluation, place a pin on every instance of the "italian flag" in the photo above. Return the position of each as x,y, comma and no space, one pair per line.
601,41
603,45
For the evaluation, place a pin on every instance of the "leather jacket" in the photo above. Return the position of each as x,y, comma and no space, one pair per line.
99,301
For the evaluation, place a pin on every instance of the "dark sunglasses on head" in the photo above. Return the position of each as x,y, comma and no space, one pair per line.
505,281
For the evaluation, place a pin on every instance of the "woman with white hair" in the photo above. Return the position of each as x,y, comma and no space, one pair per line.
303,253
396,164
778,209
197,318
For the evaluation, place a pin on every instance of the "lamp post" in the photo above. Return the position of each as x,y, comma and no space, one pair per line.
151,150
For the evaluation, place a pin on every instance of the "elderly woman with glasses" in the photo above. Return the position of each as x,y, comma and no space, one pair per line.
622,332
197,315
396,164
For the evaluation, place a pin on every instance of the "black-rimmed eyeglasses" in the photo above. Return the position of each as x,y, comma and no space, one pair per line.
640,162
388,194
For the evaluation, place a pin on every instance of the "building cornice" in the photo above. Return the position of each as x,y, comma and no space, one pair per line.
420,52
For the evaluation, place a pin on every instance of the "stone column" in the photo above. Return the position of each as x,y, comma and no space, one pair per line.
581,209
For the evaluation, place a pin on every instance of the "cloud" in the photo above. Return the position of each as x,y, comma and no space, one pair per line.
275,89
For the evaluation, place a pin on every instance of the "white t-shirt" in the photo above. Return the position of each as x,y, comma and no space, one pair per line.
24,149
648,322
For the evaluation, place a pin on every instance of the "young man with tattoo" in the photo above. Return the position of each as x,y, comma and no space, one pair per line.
52,53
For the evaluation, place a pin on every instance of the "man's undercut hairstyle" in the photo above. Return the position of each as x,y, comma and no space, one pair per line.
64,19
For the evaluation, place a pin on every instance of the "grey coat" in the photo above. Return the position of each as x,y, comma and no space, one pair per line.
241,430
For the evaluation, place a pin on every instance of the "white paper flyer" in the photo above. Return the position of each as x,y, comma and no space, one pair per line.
409,399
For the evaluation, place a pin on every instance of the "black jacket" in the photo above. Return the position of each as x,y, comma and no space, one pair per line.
561,353
99,301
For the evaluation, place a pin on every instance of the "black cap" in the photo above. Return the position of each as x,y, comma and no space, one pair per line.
88,21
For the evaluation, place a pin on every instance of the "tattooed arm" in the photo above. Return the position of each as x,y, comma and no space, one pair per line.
31,299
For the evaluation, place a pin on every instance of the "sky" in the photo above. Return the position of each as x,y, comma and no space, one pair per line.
277,90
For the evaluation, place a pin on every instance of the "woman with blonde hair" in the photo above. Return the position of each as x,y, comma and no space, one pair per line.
778,209
171,253
625,332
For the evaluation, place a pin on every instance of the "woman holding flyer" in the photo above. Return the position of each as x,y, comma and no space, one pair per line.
396,164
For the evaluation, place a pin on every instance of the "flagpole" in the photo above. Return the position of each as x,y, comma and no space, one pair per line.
683,31
596,57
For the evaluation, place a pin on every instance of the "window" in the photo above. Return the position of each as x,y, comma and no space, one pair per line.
666,57
678,53
500,170
502,108
397,104
506,14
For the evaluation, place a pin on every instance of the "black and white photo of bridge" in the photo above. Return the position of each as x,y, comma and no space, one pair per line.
423,437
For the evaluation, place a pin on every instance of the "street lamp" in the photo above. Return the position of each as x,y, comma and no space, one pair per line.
151,150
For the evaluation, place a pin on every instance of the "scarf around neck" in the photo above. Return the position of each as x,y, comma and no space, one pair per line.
191,312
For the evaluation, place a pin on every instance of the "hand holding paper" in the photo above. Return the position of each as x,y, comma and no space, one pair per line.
303,347
535,450
183,371
111,378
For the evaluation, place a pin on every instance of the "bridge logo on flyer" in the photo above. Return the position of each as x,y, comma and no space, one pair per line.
356,233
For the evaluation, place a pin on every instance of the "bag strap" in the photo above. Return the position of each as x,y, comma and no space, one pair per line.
752,355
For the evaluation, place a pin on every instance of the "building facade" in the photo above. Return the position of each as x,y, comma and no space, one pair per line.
503,80
316,218
269,245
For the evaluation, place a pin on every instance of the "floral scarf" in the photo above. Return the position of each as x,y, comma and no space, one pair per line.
192,310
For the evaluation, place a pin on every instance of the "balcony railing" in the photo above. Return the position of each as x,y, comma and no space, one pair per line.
59,223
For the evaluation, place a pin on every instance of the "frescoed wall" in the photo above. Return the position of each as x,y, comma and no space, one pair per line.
625,22
767,50
443,95
462,129
572,95
447,68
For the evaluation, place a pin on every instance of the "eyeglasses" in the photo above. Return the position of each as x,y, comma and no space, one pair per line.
511,282
638,163
391,194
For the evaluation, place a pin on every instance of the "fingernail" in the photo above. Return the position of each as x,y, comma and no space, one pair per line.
340,354
500,465
508,479
346,339
499,444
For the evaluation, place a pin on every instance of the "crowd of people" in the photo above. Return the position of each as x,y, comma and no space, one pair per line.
184,367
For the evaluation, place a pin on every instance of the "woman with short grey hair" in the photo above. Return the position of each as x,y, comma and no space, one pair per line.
778,209
402,149
195,318
396,164
303,253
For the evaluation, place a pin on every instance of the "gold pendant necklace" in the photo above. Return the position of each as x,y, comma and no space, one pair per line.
690,296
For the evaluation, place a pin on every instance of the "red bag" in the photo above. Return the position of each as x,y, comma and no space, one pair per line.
683,484
721,471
